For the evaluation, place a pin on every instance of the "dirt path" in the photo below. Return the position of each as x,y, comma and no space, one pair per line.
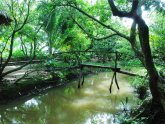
12,77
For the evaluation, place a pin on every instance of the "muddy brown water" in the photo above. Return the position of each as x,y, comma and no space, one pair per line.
92,104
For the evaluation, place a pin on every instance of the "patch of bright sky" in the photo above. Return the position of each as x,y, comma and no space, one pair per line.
145,15
163,1
92,2
33,6
162,4
20,1
126,21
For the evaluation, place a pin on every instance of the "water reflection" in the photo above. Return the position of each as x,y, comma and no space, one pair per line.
32,102
92,104
102,118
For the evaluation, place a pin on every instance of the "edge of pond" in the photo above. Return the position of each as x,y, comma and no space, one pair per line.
22,90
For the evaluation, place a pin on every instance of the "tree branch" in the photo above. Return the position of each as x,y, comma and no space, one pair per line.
25,21
117,12
90,35
12,40
131,14
134,46
16,69
96,20
34,55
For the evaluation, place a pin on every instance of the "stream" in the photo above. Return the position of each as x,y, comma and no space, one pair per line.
91,104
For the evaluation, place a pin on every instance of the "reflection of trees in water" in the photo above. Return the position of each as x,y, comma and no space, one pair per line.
11,115
19,114
4,119
34,110
45,109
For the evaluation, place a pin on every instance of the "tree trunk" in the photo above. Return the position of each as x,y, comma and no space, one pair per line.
155,81
50,50
148,59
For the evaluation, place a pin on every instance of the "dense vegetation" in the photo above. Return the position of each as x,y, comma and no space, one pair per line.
41,30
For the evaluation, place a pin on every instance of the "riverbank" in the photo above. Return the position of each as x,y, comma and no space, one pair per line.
37,83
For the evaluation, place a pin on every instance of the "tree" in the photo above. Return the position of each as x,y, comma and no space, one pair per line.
18,24
143,52
62,34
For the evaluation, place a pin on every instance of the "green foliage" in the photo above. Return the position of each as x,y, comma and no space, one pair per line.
125,49
105,45
52,26
141,86
134,62
139,81
61,31
125,118
55,64
18,54
69,91
41,55
158,38
73,40
127,56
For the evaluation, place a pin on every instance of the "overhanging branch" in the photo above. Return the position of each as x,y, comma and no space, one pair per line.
96,20
90,35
